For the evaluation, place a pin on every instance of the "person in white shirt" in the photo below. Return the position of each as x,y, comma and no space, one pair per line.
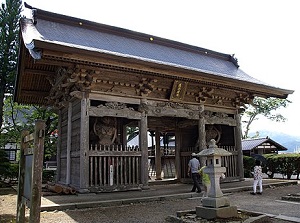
193,171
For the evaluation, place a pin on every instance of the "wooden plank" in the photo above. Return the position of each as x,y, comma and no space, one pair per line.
103,97
100,171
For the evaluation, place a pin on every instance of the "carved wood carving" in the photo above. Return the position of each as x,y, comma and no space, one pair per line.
212,132
203,94
241,99
146,86
106,129
68,83
218,118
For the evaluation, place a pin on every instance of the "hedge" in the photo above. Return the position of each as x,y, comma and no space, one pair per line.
285,164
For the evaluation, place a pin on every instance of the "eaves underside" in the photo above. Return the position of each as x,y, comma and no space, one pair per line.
206,79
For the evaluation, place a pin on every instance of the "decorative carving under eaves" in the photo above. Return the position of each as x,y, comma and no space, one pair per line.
204,93
220,100
115,106
172,109
241,99
68,83
146,86
172,105
218,118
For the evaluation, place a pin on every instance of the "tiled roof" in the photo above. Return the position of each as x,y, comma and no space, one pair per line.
249,144
95,37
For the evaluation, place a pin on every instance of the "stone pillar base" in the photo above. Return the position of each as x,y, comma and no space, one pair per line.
211,213
215,202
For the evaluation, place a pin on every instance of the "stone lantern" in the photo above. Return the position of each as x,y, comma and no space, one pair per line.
215,205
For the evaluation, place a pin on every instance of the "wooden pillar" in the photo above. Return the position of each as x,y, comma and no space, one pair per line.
84,145
157,155
58,149
69,143
20,203
143,139
238,145
177,153
201,132
37,165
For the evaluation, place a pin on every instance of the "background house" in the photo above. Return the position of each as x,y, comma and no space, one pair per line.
261,146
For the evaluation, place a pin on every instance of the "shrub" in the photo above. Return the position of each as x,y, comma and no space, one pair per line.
286,164
249,163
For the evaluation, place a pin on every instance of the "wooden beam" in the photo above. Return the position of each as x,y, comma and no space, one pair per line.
124,113
39,72
34,93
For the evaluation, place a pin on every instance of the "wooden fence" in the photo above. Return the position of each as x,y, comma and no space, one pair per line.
114,167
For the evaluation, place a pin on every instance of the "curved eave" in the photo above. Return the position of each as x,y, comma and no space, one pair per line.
261,90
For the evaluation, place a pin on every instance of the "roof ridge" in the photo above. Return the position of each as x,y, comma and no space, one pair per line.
248,139
74,21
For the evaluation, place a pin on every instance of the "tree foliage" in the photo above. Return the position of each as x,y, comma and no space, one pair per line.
19,117
266,107
9,45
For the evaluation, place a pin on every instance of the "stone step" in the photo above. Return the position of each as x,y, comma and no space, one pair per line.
291,197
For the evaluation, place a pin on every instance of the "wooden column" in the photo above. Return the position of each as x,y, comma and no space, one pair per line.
238,145
69,143
84,145
157,155
143,138
37,165
177,153
202,134
58,149
20,203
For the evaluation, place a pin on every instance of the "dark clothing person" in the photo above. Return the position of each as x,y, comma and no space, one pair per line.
193,169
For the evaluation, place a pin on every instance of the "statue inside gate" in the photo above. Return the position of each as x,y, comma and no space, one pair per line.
106,130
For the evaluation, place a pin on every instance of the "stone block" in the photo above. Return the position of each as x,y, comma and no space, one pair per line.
212,213
215,202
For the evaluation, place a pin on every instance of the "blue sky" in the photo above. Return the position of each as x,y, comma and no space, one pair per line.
263,35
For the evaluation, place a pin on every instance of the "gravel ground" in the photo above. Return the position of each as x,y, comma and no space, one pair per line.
155,212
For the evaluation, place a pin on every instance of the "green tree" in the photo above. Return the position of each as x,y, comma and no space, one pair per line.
18,117
266,107
9,45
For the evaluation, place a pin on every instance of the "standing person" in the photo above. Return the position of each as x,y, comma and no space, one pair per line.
257,176
205,181
193,169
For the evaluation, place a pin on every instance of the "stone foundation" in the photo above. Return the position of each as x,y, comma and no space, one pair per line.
212,213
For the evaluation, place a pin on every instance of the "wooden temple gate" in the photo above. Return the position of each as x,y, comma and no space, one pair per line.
102,80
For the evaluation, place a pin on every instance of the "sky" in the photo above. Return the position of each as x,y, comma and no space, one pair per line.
263,35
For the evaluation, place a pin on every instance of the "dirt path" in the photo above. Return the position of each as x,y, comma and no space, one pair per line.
154,212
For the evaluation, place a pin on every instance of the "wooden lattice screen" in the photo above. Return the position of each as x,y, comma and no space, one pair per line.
114,167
